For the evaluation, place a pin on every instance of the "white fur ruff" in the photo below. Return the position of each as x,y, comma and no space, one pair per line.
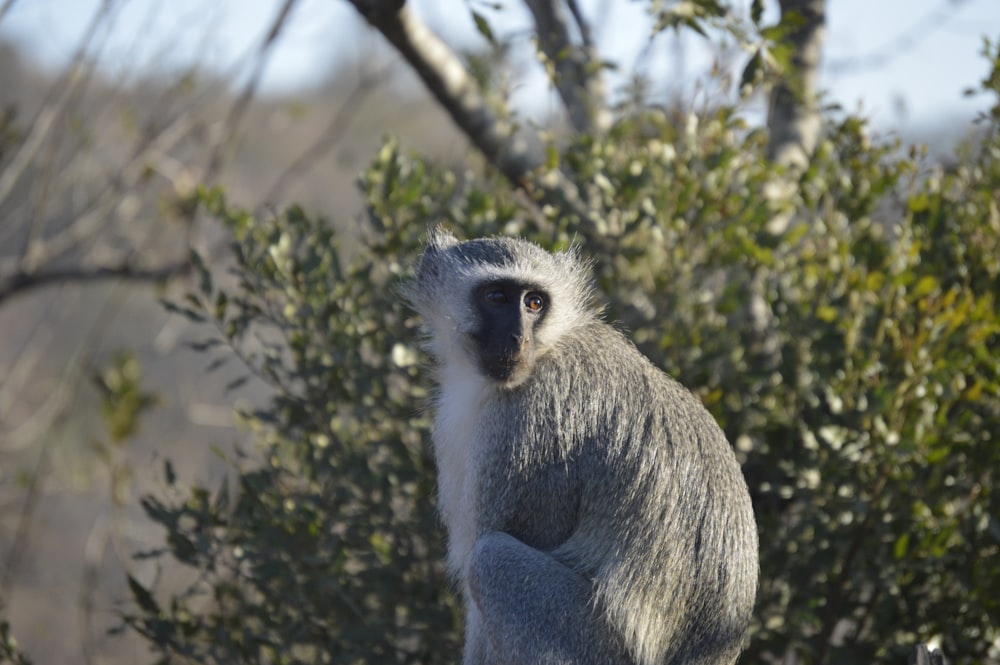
455,423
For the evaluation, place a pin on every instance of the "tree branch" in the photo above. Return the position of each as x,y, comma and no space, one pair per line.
581,24
22,282
455,90
444,75
576,74
794,120
5,7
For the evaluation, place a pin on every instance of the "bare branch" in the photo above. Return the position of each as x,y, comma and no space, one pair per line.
576,72
238,109
20,283
26,520
794,120
93,555
445,76
333,132
27,363
47,117
581,24
94,214
901,44
458,93
5,7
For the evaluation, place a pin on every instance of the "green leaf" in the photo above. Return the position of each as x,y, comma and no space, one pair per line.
483,26
237,383
754,70
827,314
901,546
205,276
188,313
925,286
143,597
919,202
221,303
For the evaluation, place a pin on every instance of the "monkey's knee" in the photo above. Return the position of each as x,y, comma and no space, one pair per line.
503,567
491,553
534,609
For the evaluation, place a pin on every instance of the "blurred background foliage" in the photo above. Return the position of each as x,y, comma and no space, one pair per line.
844,330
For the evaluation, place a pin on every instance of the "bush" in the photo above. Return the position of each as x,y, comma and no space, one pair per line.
853,359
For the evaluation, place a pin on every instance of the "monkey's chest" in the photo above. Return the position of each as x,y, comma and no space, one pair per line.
455,437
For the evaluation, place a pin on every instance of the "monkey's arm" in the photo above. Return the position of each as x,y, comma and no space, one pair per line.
534,609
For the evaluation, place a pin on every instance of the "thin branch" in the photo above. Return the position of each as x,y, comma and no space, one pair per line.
794,120
239,108
576,74
21,283
97,210
25,360
46,118
334,132
93,555
902,43
26,520
5,7
40,420
581,23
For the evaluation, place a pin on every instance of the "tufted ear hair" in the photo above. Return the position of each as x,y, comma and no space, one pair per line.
440,238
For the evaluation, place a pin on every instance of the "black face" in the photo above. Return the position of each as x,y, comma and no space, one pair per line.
509,314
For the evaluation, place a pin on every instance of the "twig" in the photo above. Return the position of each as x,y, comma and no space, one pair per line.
31,500
5,7
96,212
902,43
331,135
45,120
239,108
581,23
93,554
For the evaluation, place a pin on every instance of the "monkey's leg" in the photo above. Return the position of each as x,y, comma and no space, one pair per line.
535,610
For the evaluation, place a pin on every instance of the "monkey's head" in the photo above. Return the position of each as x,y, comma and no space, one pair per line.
500,302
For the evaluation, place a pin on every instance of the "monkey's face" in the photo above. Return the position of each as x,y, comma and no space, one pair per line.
509,314
497,305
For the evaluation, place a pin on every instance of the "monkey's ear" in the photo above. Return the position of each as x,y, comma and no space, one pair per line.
439,238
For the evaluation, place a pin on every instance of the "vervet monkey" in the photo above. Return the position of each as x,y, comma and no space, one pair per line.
595,512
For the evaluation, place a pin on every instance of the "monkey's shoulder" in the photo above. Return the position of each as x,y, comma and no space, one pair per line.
602,352
607,385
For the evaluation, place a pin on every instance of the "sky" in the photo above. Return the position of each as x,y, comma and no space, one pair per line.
902,62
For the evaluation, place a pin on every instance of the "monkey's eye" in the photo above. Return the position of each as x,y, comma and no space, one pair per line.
534,302
496,296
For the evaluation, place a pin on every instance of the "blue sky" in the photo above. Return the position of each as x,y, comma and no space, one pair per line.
931,46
